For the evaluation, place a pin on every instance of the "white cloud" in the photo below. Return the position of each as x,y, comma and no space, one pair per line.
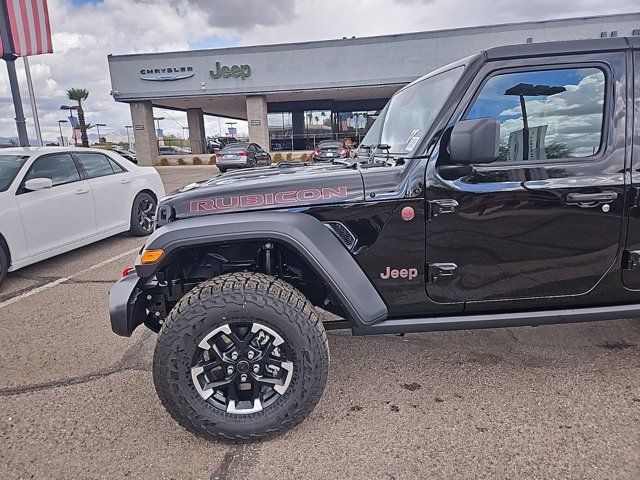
85,35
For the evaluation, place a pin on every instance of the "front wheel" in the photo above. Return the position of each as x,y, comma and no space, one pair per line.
143,213
241,358
4,264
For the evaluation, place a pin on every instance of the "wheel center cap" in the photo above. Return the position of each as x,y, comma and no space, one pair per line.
243,367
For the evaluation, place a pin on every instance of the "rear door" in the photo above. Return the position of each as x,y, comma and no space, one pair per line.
60,215
543,221
110,184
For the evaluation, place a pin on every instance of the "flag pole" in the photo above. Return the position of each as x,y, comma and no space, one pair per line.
32,97
10,58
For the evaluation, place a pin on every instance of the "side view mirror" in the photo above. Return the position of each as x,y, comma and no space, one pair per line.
475,141
34,184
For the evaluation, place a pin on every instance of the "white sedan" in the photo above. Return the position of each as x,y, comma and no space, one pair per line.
55,199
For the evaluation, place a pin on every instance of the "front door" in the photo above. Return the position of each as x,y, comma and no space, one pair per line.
545,219
60,215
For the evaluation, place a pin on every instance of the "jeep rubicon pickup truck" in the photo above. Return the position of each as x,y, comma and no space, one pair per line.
500,190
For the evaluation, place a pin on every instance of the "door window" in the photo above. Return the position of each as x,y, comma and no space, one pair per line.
95,164
59,167
545,114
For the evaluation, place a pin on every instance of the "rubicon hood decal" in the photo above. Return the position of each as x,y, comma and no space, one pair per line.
267,188
289,198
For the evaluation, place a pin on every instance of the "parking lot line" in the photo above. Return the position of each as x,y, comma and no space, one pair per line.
65,279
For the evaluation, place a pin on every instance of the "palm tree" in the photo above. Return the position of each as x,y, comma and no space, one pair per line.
79,95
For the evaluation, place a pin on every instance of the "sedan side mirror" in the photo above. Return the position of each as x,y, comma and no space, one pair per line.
34,184
475,141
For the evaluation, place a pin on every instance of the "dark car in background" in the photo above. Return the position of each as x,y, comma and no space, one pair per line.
219,143
128,154
241,155
173,150
329,150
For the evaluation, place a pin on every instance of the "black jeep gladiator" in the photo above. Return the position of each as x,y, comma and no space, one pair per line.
500,190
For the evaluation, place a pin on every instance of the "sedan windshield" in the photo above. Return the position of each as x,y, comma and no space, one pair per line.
410,112
9,167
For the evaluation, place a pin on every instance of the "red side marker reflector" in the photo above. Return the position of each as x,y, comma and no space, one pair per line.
127,270
408,213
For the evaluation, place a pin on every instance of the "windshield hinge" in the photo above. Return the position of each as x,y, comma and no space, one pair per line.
438,271
438,207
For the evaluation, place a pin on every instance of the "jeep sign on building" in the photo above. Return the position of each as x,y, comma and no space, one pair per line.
294,95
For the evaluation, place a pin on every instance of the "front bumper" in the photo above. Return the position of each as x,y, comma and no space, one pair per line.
126,305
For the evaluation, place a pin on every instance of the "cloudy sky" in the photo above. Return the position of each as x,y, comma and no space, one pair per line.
86,31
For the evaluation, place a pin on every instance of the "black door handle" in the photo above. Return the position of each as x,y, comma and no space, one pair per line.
591,198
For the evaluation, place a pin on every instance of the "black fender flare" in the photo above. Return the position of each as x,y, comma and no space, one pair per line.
304,233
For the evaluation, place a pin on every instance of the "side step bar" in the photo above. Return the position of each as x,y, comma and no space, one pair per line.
496,320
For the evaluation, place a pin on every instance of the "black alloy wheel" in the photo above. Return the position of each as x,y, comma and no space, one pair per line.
242,367
143,214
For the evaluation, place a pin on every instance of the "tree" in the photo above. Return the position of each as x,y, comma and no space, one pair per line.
80,95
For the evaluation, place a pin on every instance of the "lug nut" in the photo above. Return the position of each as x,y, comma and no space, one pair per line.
234,356
229,370
256,368
250,354
243,378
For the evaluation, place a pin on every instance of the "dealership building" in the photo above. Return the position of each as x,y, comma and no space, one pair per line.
294,95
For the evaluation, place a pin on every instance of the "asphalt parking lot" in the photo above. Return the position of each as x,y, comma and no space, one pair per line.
77,401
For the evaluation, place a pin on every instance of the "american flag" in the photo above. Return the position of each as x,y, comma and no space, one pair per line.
29,29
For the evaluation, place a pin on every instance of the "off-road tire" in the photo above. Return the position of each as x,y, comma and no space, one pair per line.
219,301
135,228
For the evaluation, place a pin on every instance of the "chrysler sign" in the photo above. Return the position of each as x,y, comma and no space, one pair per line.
166,74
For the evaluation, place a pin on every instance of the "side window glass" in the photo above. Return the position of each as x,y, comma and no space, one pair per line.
116,166
545,114
95,164
59,167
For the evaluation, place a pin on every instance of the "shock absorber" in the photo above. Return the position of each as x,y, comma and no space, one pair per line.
268,248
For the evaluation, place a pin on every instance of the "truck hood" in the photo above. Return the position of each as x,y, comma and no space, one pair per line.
282,186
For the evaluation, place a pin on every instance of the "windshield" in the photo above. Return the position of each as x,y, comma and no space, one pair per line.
9,167
410,112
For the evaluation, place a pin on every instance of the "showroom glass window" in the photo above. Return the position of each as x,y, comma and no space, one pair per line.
545,114
97,164
280,130
59,167
357,122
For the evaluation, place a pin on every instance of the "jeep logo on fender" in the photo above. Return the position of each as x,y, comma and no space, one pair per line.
238,71
409,273
265,199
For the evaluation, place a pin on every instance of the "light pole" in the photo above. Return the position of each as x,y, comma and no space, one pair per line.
127,127
98,125
231,125
71,108
157,119
60,122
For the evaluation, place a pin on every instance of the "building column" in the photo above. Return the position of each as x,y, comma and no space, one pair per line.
197,135
257,119
144,132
